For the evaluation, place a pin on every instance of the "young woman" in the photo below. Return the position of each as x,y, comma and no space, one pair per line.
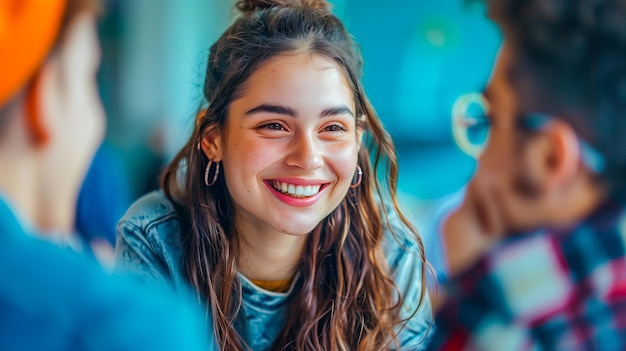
272,211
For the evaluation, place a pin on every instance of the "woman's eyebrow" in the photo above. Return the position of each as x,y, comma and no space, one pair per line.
288,111
277,109
335,111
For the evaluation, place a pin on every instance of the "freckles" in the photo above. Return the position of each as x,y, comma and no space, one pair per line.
244,151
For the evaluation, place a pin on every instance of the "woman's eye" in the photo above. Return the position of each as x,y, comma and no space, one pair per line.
273,126
334,128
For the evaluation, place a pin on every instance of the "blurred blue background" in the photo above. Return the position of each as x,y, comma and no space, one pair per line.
419,56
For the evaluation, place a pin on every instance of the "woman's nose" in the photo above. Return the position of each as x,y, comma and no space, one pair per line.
305,153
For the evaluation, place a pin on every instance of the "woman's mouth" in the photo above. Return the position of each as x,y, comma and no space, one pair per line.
294,190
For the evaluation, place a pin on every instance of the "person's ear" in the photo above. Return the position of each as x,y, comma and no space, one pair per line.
36,124
211,144
553,156
43,101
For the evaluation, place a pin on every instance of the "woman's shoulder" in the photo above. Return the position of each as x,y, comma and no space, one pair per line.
150,207
153,217
399,241
405,258
149,240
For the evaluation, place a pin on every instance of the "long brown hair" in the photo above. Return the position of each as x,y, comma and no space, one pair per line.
344,298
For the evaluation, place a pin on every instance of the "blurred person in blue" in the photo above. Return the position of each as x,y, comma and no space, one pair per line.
537,249
51,122
103,199
272,211
104,196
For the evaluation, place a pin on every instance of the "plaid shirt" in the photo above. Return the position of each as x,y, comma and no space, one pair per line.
550,290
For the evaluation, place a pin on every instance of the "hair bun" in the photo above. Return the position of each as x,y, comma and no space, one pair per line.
250,6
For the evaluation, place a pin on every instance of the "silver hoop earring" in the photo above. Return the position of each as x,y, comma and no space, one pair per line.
359,173
208,170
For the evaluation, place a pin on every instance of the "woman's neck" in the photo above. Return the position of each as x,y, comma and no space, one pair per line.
268,256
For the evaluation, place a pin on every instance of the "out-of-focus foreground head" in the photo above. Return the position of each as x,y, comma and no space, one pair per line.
51,116
568,59
27,32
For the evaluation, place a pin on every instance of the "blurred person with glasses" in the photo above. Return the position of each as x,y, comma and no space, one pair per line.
537,249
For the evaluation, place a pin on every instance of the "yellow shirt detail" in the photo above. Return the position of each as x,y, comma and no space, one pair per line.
275,286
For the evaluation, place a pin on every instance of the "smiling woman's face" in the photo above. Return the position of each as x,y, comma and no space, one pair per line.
290,145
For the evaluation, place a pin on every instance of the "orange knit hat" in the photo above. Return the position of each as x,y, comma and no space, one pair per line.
28,30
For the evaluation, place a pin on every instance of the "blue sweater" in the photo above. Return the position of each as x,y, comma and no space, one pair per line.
55,299
149,244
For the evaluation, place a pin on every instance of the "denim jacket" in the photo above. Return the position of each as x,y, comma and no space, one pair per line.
149,244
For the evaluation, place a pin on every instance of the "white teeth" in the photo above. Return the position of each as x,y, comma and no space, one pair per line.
308,191
296,190
299,190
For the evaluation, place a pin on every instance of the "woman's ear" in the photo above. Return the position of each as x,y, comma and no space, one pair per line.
211,144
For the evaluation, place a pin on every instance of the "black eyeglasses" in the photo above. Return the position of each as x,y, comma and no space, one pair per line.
471,127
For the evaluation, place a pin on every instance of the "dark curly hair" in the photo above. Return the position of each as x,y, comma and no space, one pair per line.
570,60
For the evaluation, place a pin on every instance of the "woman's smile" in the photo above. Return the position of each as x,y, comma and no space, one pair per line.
296,194
296,190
